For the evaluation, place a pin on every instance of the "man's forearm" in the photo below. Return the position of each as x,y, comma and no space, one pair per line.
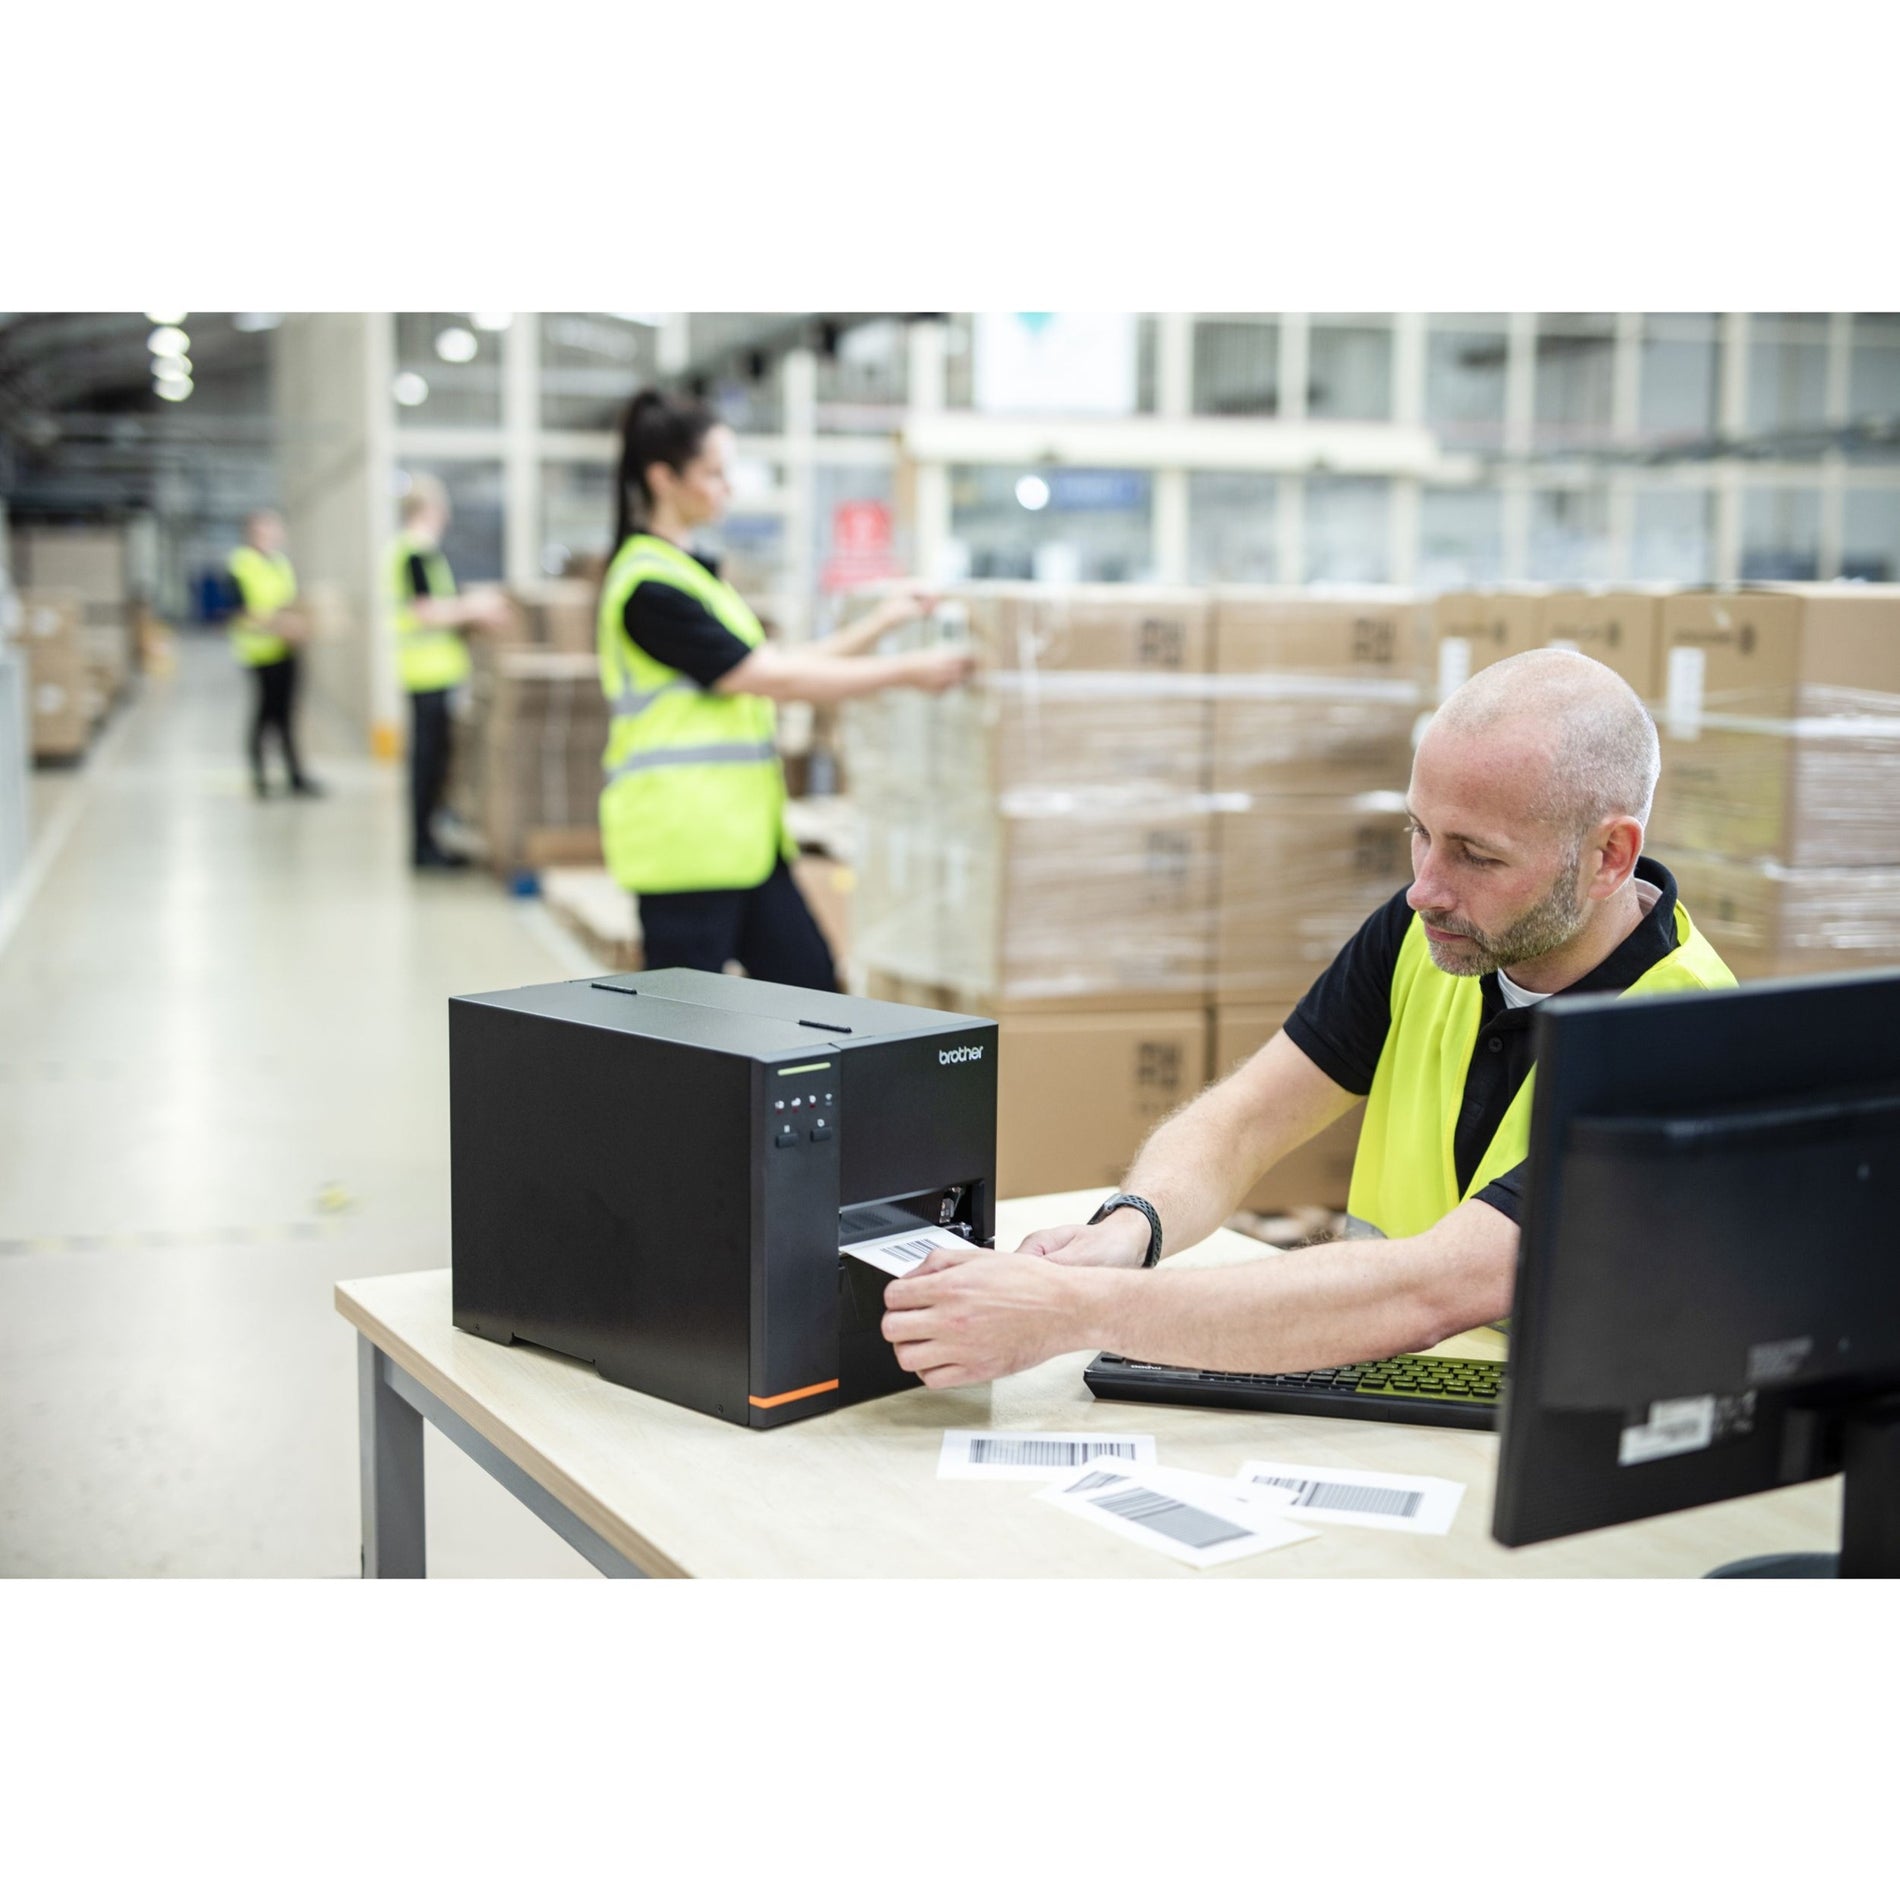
1318,1306
1199,1163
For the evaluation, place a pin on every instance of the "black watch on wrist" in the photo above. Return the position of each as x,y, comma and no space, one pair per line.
1141,1207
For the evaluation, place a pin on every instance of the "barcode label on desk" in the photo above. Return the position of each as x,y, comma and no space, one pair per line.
1183,1514
1184,1523
1375,1500
1311,1495
1035,1454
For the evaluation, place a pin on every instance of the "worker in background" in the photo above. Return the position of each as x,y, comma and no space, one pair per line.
1528,799
431,657
267,629
692,817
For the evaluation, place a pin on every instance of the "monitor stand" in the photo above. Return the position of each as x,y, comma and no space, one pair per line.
1870,1506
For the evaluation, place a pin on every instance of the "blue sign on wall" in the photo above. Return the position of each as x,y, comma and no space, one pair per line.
1098,490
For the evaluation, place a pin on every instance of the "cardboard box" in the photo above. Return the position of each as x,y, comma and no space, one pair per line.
1078,1094
1296,880
1315,694
1781,725
86,562
526,761
1769,919
1315,1175
59,693
1473,628
1622,627
1018,627
1091,909
561,614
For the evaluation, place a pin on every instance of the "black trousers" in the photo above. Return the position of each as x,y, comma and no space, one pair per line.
428,761
276,701
767,929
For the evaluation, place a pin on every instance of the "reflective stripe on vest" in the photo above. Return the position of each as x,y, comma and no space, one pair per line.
429,659
695,798
1405,1173
266,584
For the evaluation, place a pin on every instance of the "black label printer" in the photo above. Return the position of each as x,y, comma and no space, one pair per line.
658,1172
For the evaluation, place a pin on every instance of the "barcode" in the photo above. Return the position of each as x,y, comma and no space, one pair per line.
1315,1494
1198,1529
910,1249
1094,1480
1040,1451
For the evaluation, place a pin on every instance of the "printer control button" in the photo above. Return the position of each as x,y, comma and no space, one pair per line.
821,1134
785,1138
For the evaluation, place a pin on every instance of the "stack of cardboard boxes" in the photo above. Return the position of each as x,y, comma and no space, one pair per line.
1095,845
1778,808
86,568
527,755
51,639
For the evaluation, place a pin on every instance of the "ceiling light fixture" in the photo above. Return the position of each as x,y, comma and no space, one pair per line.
168,340
456,345
411,389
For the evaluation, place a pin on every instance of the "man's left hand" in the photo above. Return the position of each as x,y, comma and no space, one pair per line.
961,1318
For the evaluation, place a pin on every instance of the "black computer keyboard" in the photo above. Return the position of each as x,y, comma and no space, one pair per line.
1413,1389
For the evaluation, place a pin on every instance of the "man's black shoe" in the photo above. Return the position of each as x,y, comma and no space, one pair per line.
433,857
305,788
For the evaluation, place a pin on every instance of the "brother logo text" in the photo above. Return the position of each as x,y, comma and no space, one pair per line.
968,1052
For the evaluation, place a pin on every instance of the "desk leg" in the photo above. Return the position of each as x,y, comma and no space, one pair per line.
389,1434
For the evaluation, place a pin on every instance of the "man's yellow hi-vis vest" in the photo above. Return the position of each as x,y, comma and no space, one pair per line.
1405,1174
695,797
429,659
268,585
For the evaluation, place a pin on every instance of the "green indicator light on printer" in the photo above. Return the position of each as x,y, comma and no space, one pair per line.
809,1068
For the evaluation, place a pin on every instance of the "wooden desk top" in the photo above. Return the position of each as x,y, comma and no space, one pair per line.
855,1493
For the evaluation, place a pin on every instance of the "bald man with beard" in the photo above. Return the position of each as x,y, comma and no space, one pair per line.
1529,794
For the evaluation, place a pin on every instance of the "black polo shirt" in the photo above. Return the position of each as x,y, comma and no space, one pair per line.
672,627
1342,1022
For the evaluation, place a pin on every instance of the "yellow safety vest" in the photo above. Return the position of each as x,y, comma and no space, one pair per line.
266,585
695,797
428,658
1405,1174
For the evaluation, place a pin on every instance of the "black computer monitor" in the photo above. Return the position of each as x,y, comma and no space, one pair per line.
1708,1288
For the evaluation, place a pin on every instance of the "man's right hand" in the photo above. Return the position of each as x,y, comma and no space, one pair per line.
1119,1241
938,668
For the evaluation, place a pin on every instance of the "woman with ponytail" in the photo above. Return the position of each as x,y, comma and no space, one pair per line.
693,814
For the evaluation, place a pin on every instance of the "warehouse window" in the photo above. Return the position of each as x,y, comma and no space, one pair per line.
1787,374
1575,370
473,542
1236,366
1348,528
1053,524
1781,534
1464,380
1870,542
1460,537
1349,368
577,513
1873,377
1233,520
1674,535
864,384
1679,382
1570,535
447,370
591,364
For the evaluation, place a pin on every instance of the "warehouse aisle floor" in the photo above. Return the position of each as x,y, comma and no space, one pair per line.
223,1087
